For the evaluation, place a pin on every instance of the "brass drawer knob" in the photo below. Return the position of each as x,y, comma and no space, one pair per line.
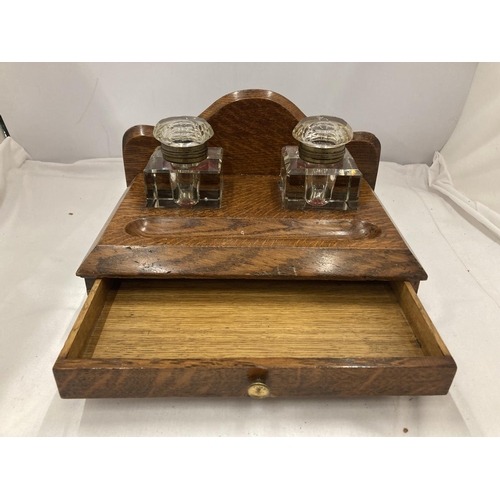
258,390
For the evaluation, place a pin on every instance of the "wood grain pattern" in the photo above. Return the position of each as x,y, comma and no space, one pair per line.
295,355
314,247
215,319
428,336
138,145
85,323
252,126
77,378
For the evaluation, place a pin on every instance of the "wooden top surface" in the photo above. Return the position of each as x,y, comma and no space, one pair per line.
251,235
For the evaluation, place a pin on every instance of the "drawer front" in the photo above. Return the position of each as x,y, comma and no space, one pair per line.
234,379
179,338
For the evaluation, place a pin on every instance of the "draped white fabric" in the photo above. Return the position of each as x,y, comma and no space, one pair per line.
472,153
440,180
50,214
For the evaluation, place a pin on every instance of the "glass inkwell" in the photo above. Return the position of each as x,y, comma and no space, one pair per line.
183,171
320,172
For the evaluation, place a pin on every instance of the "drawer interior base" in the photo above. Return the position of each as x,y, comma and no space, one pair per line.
207,319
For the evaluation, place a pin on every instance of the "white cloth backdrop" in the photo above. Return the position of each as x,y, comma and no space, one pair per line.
440,180
50,215
467,170
472,153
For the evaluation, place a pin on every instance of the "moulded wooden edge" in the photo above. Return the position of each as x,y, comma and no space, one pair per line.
138,145
138,131
274,263
286,377
241,95
366,149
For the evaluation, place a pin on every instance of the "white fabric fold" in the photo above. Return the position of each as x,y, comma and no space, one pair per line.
12,155
440,180
52,214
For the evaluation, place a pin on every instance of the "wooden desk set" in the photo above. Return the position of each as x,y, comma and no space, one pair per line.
254,296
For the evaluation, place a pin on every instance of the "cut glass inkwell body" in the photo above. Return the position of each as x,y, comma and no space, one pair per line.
320,172
184,171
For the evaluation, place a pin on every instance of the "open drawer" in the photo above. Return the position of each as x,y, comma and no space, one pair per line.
157,338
